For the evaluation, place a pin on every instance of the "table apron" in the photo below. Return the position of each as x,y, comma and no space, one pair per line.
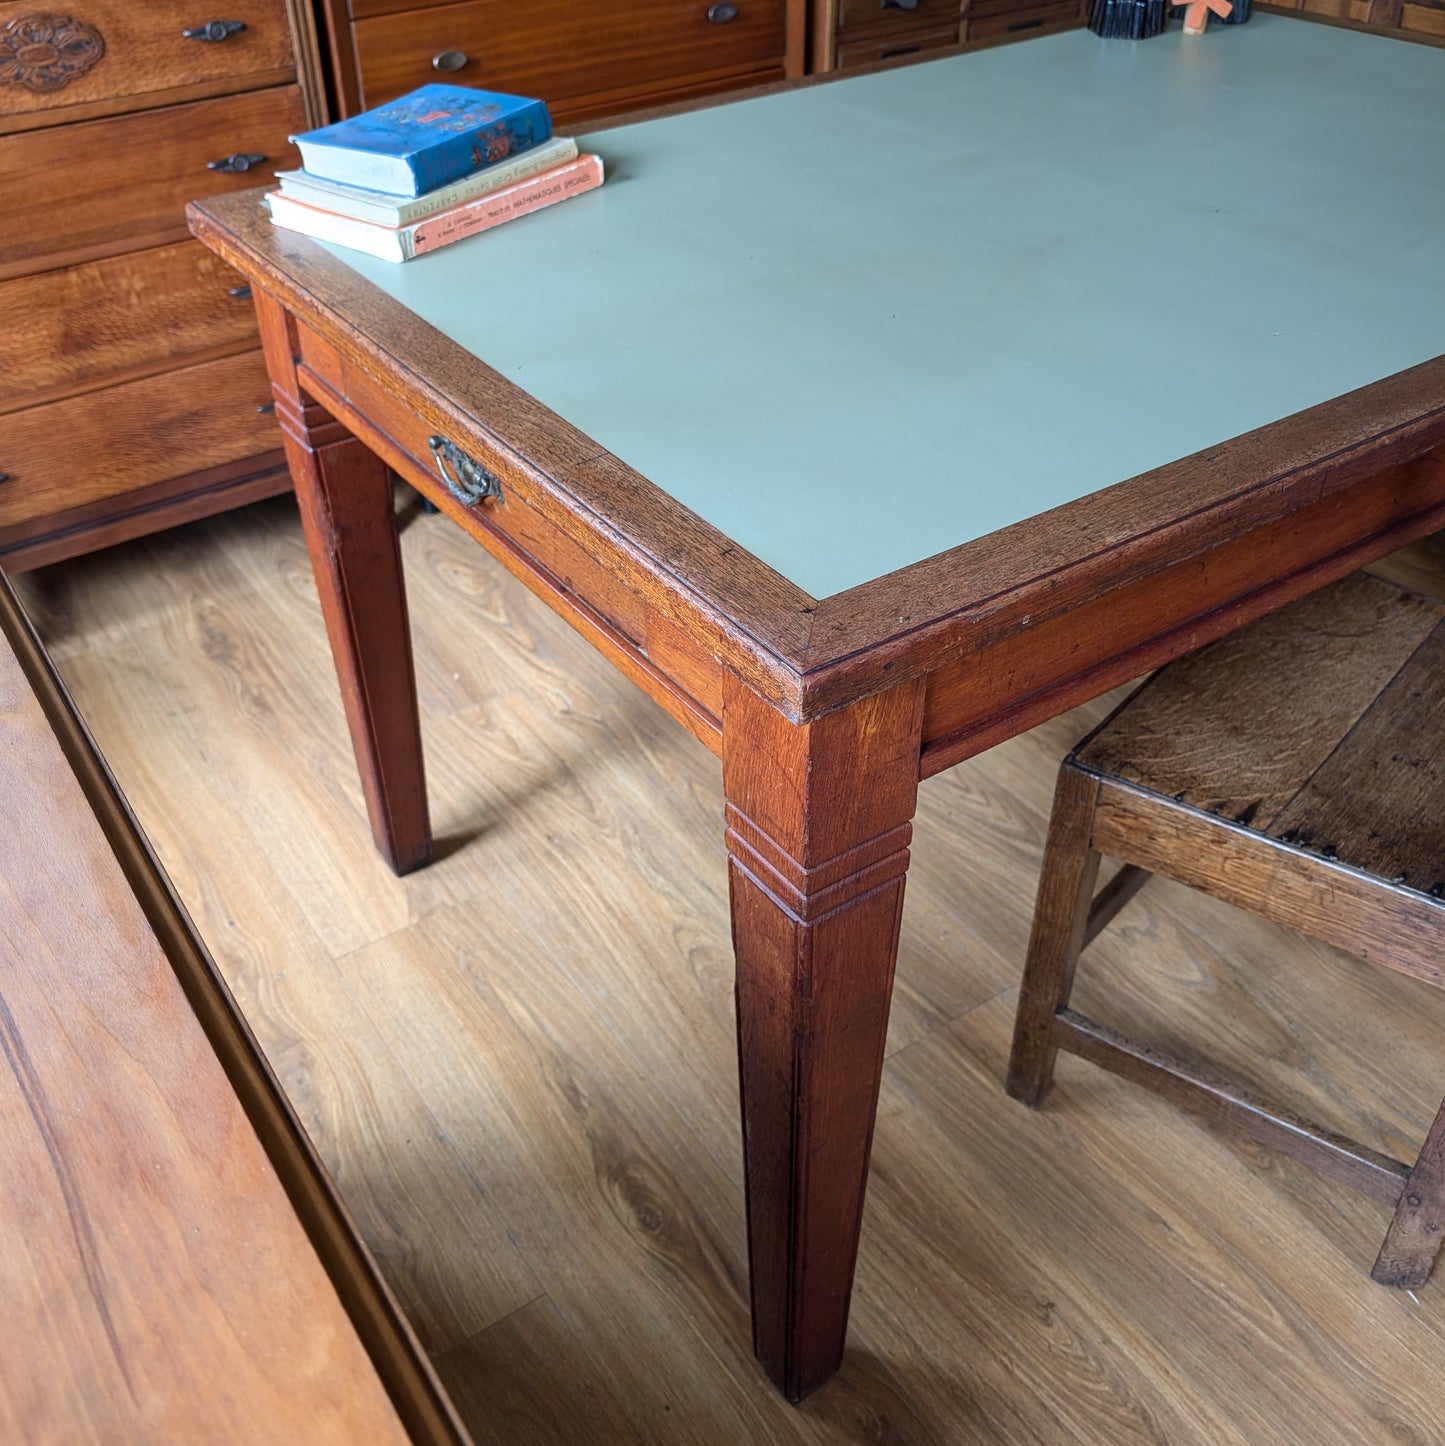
674,669
985,697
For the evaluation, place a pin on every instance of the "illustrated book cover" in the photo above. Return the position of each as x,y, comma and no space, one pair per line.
425,139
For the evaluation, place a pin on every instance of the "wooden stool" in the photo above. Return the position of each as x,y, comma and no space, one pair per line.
1294,769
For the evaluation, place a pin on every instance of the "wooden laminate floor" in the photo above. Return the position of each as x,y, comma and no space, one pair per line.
519,1062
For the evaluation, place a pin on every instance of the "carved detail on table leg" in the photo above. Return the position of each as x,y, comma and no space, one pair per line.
345,494
818,827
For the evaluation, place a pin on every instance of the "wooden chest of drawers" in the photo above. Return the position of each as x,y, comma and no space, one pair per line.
583,59
133,394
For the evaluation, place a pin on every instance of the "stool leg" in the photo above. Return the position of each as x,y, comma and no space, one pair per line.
1413,1239
1066,889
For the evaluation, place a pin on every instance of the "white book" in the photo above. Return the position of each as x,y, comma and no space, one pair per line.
386,210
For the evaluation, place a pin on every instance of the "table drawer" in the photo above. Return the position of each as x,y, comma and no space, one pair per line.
66,454
885,47
100,187
900,19
74,329
117,50
543,48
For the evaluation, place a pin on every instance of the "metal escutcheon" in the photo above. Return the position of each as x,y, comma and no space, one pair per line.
241,161
466,479
215,30
449,60
722,12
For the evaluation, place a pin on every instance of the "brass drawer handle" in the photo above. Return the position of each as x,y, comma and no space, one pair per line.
466,479
722,12
449,60
233,165
215,30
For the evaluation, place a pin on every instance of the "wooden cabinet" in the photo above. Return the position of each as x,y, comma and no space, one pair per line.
585,60
133,394
848,33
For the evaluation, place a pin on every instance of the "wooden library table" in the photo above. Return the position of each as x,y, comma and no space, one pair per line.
177,1266
865,424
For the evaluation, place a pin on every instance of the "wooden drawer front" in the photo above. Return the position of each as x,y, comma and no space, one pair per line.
529,541
71,330
67,454
926,16
1423,19
117,50
101,187
551,49
876,48
1003,19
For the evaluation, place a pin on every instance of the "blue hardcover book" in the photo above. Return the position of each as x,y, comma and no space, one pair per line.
435,135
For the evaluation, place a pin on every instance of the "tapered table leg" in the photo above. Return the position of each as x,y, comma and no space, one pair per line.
345,494
819,819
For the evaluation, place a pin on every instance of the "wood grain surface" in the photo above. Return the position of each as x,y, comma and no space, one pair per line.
161,1281
520,1061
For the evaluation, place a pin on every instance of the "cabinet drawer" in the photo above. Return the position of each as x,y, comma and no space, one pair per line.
550,48
67,454
117,50
925,15
886,47
1009,19
71,330
97,188
1423,19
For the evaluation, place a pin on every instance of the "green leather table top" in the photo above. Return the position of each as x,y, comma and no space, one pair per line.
855,324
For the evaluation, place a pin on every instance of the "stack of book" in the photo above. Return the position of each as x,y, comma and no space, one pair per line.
427,169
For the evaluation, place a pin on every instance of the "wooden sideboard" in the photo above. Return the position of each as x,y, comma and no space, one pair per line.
133,394
585,59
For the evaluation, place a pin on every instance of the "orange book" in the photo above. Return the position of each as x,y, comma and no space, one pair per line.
401,243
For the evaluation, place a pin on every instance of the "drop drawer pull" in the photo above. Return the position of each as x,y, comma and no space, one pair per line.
467,480
215,30
449,60
233,165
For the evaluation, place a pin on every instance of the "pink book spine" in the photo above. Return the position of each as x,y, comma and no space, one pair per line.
569,179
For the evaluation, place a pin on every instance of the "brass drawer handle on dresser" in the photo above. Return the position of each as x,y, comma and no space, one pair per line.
449,60
215,30
722,12
233,165
466,479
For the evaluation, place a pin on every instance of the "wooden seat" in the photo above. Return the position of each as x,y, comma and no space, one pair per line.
1294,769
